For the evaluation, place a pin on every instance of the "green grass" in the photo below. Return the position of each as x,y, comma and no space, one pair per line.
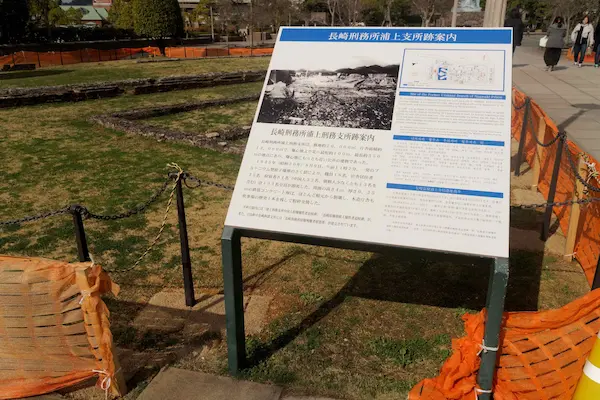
212,118
409,352
343,324
125,69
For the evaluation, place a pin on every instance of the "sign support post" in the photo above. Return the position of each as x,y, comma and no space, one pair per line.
234,298
496,296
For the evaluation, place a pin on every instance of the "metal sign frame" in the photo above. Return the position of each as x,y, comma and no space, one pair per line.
234,294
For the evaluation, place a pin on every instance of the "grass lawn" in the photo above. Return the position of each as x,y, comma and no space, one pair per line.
343,324
125,69
209,118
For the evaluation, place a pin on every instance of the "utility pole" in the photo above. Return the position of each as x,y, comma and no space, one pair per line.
212,25
494,13
251,27
454,13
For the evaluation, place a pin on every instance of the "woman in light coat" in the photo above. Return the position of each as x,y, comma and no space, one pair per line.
556,41
583,37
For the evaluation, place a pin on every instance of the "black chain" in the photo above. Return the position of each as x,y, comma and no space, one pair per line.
576,172
136,210
32,218
559,136
519,107
556,204
200,182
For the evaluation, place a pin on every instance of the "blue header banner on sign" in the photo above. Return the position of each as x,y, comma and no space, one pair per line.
396,35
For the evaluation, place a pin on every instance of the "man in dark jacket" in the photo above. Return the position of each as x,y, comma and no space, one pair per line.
515,22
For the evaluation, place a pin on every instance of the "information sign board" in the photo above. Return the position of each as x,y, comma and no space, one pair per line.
393,136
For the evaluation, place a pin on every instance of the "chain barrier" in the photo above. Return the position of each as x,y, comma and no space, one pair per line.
560,136
555,204
586,182
37,217
136,210
518,108
200,182
178,177
85,213
575,170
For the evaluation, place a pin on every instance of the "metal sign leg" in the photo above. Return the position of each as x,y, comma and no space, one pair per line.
495,308
234,300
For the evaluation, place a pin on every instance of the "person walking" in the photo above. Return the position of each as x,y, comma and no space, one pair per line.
597,46
556,41
515,22
583,37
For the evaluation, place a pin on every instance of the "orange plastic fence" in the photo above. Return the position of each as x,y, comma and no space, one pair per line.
587,244
54,329
92,55
541,357
589,58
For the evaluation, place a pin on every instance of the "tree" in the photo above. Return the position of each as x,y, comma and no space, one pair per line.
157,18
57,16
428,8
332,5
40,11
120,14
572,10
14,16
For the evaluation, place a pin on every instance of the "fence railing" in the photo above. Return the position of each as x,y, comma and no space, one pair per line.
80,213
564,174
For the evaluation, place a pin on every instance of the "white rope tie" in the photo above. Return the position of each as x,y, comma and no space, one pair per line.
87,293
84,294
485,348
106,382
478,391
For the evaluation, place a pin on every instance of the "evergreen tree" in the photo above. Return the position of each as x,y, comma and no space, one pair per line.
14,16
157,18
121,14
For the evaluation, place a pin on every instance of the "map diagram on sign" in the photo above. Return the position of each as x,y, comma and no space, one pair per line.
453,70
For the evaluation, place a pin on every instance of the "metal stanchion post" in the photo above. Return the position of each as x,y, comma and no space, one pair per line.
596,281
519,155
186,263
552,190
233,288
80,239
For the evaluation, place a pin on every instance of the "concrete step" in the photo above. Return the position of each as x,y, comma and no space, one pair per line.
175,383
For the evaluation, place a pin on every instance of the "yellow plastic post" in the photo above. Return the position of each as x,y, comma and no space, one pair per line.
588,387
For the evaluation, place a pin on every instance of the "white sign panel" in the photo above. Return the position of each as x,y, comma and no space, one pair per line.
393,136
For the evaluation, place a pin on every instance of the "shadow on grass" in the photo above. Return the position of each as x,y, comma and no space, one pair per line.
430,279
4,76
163,336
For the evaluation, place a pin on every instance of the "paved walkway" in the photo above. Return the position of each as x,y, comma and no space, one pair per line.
569,95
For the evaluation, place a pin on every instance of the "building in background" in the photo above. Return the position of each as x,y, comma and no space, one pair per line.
102,3
92,16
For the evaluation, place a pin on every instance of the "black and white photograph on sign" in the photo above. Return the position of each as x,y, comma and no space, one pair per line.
352,97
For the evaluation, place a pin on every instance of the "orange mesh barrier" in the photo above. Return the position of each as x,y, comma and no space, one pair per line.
589,58
54,327
541,357
587,243
54,58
